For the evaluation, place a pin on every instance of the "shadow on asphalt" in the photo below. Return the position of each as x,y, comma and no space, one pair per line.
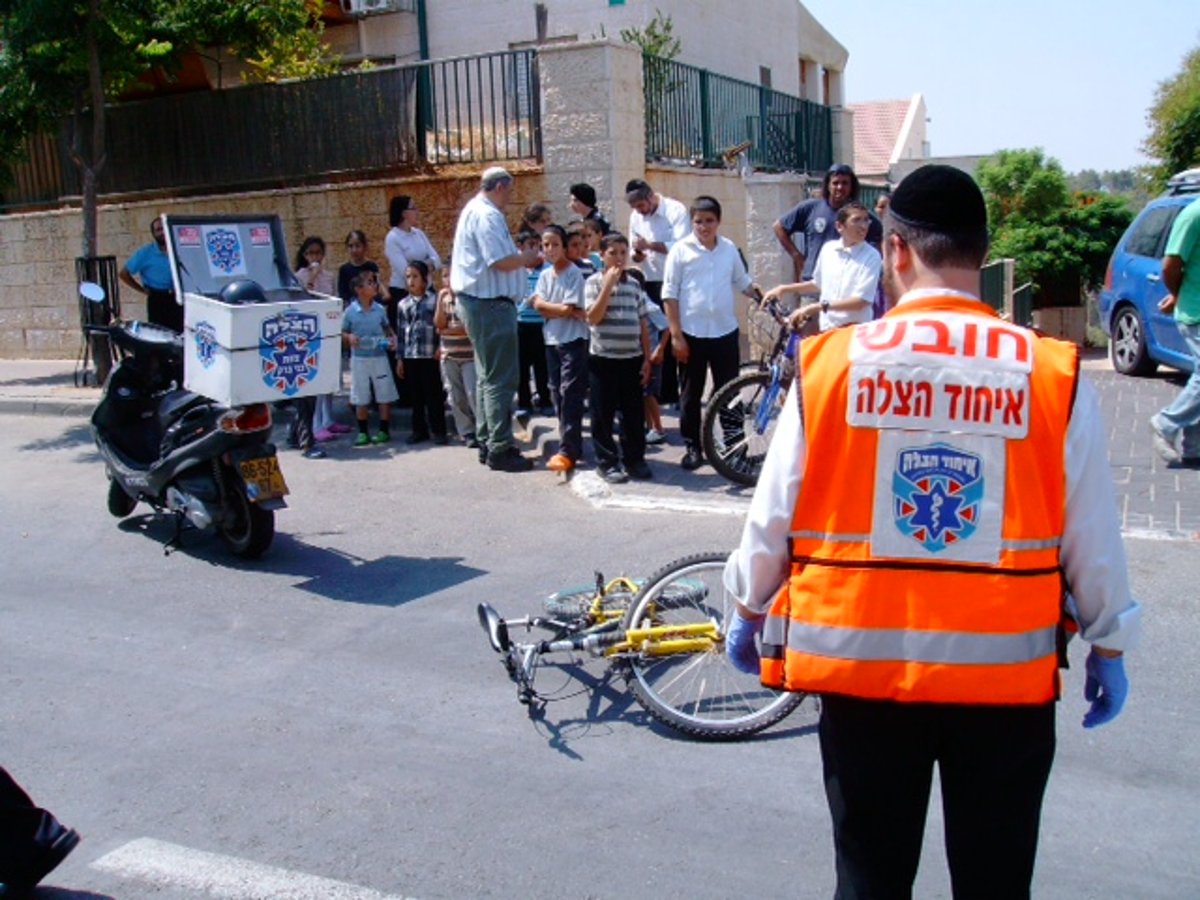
76,435
610,702
331,574
53,893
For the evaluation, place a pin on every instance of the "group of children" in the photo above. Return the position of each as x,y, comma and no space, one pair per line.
603,342
588,338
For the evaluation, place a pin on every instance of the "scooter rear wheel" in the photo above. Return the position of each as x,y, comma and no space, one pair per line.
252,528
120,504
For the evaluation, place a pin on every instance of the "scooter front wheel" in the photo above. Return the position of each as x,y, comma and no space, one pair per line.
248,529
120,504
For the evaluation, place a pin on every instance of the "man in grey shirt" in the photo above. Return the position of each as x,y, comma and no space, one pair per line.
487,273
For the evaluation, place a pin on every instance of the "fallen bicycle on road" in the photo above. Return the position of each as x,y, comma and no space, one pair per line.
664,634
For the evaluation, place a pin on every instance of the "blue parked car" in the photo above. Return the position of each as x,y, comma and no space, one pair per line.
1140,338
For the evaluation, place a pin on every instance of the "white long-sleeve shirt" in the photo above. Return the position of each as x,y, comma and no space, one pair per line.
1092,555
402,247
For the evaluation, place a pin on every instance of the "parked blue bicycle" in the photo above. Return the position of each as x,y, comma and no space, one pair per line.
740,417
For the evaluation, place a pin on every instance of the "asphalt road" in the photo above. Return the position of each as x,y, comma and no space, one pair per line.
330,722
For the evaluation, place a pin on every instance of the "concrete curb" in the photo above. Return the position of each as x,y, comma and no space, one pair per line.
38,406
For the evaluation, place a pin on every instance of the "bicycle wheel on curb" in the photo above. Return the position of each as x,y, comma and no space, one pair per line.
699,694
731,441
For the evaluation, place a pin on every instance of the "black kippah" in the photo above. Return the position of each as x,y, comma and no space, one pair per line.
941,199
585,194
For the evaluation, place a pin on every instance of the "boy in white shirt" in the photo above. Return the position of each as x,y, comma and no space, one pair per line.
845,277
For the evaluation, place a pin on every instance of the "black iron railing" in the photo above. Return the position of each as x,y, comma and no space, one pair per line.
694,115
363,123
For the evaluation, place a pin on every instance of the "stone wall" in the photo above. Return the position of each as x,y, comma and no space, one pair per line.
39,311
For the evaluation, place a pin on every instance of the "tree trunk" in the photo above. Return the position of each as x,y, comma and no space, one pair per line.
90,168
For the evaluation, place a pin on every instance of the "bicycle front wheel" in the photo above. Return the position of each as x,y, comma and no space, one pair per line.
699,693
732,440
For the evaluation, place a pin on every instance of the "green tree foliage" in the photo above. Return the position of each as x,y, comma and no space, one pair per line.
1059,239
1174,121
278,39
656,39
65,57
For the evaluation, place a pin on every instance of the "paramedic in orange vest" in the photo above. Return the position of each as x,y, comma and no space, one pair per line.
920,524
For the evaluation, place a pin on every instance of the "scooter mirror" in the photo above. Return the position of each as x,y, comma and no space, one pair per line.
91,291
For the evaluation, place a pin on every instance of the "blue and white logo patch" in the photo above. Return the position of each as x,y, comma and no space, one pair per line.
937,495
223,247
206,343
290,350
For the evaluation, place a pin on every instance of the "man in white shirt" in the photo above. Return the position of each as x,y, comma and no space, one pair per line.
656,223
906,556
846,275
487,275
703,272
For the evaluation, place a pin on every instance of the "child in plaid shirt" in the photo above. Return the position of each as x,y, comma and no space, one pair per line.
418,363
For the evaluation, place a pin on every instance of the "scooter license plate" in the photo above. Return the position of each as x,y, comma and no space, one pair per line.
263,477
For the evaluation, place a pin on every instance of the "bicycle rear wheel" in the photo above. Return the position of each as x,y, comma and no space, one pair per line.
732,441
698,694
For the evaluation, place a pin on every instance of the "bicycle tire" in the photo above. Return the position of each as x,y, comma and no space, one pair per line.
698,694
731,441
578,601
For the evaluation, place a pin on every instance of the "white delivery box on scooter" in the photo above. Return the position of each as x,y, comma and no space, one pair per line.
285,345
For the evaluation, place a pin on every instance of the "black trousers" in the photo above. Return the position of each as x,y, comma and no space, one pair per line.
24,829
161,309
668,390
719,355
993,763
615,386
424,380
531,355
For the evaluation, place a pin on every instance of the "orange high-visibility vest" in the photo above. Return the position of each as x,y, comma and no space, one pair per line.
926,535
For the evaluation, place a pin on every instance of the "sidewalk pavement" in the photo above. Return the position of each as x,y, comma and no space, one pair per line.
1154,500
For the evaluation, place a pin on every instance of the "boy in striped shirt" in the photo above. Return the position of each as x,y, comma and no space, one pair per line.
618,363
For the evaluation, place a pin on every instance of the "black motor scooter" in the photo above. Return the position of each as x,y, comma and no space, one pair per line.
182,452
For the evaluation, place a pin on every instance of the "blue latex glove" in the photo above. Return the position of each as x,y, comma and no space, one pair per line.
1106,688
740,646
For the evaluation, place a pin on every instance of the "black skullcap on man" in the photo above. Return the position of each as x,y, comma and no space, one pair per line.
585,194
941,199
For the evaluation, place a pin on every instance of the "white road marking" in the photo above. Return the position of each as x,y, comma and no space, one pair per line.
592,488
225,877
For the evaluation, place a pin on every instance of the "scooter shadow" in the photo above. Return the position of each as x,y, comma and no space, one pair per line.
331,574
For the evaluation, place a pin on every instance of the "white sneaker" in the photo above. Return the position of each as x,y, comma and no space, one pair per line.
655,437
1164,446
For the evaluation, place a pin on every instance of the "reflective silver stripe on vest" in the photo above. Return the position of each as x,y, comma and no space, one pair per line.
832,538
876,644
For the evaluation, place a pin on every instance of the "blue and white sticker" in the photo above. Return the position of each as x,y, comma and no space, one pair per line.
289,348
223,248
938,496
206,343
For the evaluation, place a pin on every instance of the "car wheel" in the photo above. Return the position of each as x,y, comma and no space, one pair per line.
1127,348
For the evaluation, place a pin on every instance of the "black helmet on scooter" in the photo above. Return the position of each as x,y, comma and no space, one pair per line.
241,291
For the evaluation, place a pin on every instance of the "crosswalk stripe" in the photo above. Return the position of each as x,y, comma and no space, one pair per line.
225,877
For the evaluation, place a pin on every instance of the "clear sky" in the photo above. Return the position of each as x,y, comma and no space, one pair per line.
1074,77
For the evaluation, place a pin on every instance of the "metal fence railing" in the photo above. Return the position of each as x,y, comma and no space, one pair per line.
694,115
466,110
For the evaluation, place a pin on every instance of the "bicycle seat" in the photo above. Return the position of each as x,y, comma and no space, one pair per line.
497,631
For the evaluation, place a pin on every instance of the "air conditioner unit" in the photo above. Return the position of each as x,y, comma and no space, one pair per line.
370,7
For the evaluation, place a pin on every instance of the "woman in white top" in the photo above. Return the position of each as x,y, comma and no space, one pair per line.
406,243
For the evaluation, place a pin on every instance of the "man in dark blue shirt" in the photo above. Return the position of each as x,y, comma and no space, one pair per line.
816,220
